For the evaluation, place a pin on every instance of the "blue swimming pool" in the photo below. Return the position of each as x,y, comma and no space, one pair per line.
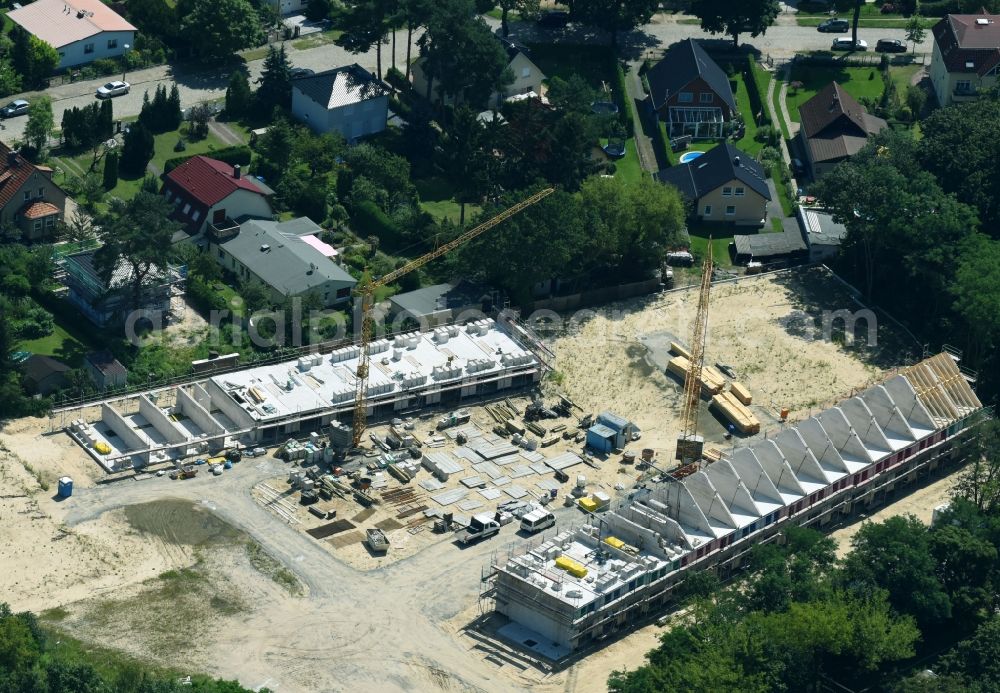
688,157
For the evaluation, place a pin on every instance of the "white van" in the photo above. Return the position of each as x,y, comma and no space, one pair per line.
537,520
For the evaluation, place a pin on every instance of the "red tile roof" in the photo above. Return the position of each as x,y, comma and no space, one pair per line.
12,177
36,210
209,181
969,43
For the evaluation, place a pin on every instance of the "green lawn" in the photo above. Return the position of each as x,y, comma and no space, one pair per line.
437,198
722,236
628,167
783,197
857,81
60,344
323,38
747,143
127,187
901,77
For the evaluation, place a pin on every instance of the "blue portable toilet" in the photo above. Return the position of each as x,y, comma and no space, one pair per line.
228,464
65,487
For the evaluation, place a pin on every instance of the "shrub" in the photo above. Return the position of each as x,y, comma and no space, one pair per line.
396,78
621,97
106,66
369,220
239,154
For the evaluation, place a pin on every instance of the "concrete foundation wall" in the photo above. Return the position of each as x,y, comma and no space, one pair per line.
214,431
228,406
130,437
201,397
154,415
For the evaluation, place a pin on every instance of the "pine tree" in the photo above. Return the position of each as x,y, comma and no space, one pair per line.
137,150
238,95
110,170
106,121
275,81
173,115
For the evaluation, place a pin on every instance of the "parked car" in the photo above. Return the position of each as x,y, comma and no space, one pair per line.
834,26
14,109
846,43
553,19
890,46
112,89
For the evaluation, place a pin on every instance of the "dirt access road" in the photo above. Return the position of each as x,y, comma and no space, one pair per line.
390,629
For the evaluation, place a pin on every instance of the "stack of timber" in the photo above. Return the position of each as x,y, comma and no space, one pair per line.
736,413
712,381
741,392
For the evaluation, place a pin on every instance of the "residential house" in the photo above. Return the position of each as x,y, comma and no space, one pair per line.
691,93
725,184
443,303
286,7
105,370
81,31
349,100
207,191
965,57
109,302
28,197
834,127
283,256
43,375
528,77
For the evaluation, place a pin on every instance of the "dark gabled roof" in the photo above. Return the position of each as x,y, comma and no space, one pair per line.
341,86
105,362
765,245
969,43
683,63
431,299
37,368
714,168
835,125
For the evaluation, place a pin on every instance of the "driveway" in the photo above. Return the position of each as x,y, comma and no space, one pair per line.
385,629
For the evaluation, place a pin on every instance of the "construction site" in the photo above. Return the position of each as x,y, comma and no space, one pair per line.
660,436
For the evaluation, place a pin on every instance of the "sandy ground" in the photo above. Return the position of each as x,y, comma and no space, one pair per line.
762,327
920,503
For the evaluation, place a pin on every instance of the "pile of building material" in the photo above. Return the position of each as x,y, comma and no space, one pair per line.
712,381
737,413
741,392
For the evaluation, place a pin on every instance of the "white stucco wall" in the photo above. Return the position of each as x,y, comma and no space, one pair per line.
75,53
354,121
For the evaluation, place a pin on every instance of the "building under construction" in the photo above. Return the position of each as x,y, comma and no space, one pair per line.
583,584
271,403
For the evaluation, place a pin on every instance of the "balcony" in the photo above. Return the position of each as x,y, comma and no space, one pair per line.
223,230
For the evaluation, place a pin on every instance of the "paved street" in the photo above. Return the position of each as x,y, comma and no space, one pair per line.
781,41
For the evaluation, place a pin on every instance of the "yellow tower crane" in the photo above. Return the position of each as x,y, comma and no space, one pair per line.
689,444
366,292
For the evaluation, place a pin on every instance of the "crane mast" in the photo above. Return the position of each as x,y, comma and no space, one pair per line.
366,292
689,444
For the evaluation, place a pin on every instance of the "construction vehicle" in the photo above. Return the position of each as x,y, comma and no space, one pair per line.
689,444
366,291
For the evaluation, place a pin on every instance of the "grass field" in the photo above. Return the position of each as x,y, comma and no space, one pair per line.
128,186
722,236
60,344
857,81
437,198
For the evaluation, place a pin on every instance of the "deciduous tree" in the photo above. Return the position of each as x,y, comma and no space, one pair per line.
614,15
735,17
40,123
219,28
